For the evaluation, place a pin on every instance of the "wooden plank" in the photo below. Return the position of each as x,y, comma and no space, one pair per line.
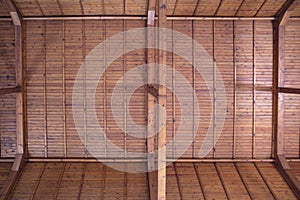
10,90
13,12
161,157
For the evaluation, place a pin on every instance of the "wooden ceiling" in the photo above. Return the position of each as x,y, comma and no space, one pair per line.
230,8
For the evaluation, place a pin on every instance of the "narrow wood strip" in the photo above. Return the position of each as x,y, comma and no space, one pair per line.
81,7
253,90
59,181
41,18
196,8
234,92
221,180
138,160
60,7
243,181
38,182
102,189
173,95
178,181
266,183
64,90
194,90
200,182
218,8
39,6
124,91
82,180
104,94
239,8
84,87
45,92
259,9
214,89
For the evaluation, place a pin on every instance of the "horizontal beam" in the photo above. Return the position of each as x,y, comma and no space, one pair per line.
144,160
39,18
288,90
10,90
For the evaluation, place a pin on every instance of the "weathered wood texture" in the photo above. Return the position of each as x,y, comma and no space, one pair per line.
7,101
5,169
56,49
184,181
139,7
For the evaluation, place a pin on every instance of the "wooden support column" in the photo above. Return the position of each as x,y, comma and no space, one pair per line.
152,95
162,91
278,101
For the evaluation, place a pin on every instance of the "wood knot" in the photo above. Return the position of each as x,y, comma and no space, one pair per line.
164,6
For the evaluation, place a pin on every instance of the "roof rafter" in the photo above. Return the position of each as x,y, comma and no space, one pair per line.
14,12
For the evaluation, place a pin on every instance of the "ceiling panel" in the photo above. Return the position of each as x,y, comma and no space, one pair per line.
136,7
249,8
228,7
29,7
114,7
270,8
207,7
3,10
185,7
296,11
50,7
93,7
70,7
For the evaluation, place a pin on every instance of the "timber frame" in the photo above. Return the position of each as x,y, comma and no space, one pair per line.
278,101
19,160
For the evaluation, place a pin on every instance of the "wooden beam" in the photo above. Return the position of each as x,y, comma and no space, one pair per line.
289,90
152,95
19,82
284,13
16,169
43,18
162,91
10,90
13,12
284,169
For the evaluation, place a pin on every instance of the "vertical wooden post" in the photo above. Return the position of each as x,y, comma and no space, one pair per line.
151,100
161,161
